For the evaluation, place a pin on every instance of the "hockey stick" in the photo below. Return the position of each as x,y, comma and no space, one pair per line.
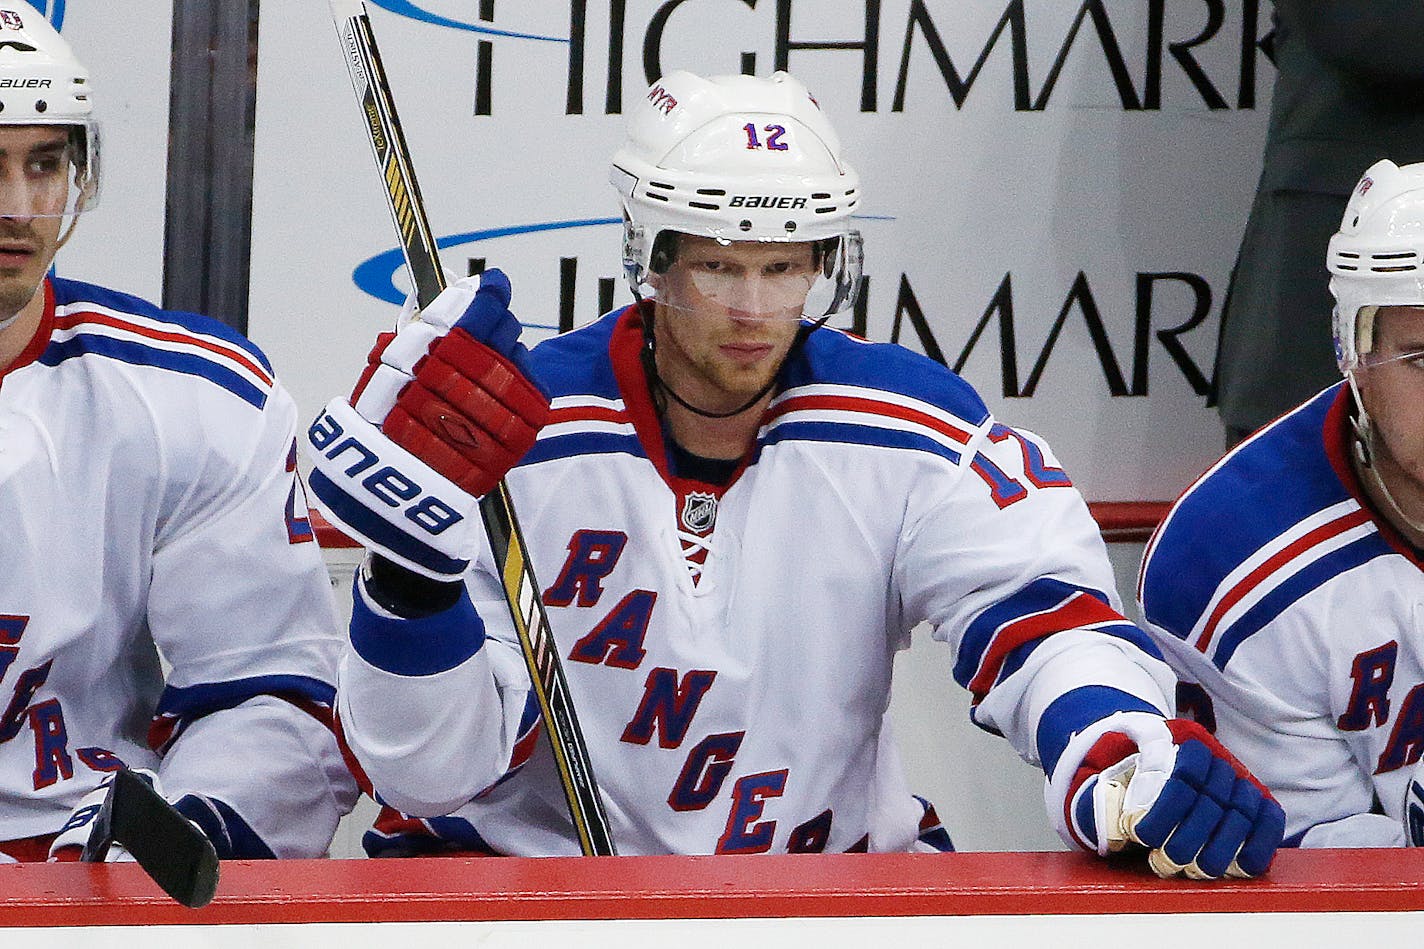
177,855
521,589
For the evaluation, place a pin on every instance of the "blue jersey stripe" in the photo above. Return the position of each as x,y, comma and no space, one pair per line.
831,357
71,293
1038,596
1236,511
419,646
1074,711
446,834
1124,631
851,434
197,700
138,354
582,443
1336,562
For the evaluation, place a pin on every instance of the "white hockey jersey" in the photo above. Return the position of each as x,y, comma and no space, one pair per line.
1293,611
729,650
150,505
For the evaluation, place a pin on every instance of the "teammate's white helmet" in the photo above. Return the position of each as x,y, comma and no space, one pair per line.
1377,257
738,158
42,83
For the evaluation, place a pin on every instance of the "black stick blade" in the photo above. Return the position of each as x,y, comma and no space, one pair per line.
177,855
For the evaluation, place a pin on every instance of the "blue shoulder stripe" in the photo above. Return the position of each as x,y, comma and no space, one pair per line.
848,433
1348,557
138,354
1235,511
69,292
830,356
577,362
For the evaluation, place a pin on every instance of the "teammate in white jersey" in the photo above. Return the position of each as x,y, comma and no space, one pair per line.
149,505
737,517
1285,585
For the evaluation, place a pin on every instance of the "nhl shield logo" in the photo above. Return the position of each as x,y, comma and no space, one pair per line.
699,511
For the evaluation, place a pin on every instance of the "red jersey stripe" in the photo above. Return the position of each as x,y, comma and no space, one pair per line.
846,403
1286,554
1079,610
71,320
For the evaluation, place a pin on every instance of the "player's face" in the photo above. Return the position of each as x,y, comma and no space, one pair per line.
34,180
728,314
1392,389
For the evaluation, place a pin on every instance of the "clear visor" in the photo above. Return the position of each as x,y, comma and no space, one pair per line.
48,171
1375,360
757,280
1373,356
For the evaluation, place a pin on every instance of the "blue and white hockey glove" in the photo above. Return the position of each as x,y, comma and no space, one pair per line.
1169,786
443,410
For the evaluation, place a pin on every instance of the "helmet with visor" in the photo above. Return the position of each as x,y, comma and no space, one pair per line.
1377,258
739,159
42,84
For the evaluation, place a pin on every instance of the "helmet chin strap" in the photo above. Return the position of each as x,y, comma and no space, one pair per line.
1360,424
1364,457
659,386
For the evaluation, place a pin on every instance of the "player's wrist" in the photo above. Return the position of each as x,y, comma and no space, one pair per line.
406,593
413,646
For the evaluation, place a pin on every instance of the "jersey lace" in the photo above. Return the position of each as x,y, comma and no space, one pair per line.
695,550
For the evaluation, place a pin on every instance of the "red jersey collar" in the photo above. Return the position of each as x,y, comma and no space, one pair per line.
625,350
1338,436
40,340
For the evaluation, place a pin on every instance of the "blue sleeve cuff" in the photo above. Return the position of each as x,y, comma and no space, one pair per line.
1074,711
414,647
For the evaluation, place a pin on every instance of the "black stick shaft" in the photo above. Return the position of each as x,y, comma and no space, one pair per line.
521,589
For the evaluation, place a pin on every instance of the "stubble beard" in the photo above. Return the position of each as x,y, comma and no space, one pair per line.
15,294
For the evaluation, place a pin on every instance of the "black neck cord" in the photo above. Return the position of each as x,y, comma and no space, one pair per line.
657,385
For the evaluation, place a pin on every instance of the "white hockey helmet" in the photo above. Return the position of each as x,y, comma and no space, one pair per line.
737,158
42,83
1377,257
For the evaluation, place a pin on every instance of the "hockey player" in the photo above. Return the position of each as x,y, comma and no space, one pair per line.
738,517
1285,584
149,507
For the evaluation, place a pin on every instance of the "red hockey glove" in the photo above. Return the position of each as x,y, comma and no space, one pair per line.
443,410
465,404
